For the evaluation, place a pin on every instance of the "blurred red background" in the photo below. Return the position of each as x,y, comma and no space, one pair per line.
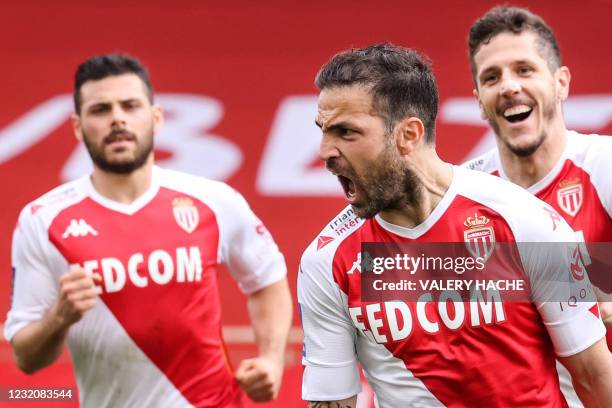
236,80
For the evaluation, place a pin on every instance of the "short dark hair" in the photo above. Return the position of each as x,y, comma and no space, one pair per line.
515,20
400,80
102,66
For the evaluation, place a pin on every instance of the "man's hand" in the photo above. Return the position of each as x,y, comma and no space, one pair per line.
260,378
40,343
605,305
270,310
77,295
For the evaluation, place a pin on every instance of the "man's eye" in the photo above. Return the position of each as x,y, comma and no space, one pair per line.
489,78
524,70
99,109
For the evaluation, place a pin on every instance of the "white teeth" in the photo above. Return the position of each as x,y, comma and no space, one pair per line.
516,110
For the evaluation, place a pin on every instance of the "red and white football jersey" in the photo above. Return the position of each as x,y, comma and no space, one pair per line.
579,187
471,356
154,336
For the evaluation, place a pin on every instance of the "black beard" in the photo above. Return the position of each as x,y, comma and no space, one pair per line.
125,167
388,188
389,185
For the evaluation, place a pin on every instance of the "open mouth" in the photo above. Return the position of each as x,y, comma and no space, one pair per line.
517,113
348,186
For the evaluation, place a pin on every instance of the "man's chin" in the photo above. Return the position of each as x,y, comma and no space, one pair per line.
524,149
363,211
523,144
119,166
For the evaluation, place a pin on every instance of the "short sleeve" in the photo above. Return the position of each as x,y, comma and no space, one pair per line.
34,287
599,166
247,247
331,370
561,289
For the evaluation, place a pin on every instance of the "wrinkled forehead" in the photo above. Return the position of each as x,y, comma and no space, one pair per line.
343,102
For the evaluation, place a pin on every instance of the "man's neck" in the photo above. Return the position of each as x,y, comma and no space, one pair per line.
435,177
123,188
526,171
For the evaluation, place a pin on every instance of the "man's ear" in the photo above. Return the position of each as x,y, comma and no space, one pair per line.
563,78
410,132
482,113
158,118
76,126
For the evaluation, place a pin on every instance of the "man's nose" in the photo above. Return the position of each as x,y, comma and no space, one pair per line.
327,148
118,116
510,86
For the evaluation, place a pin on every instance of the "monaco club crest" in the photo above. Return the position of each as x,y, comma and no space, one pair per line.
185,213
479,237
569,196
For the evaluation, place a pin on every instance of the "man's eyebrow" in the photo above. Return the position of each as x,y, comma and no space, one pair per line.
129,100
487,70
99,104
335,126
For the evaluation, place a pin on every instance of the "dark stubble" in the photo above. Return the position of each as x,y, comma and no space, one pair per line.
389,184
99,157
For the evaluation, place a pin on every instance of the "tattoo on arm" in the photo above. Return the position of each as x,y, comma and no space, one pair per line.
327,404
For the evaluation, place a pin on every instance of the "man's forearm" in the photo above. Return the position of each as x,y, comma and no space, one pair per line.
271,311
591,371
596,391
40,343
347,403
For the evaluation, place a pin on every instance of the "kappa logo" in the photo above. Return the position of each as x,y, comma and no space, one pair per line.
323,240
569,196
356,265
185,213
479,237
554,216
79,228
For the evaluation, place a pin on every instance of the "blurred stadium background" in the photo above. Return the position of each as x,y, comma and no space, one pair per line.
236,81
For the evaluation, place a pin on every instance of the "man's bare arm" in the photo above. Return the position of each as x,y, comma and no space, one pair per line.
591,372
345,403
271,312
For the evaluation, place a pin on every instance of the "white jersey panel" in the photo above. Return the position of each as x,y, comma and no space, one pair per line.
37,263
392,382
331,369
97,365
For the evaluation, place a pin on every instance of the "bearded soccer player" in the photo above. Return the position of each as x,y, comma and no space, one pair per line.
521,85
377,108
121,264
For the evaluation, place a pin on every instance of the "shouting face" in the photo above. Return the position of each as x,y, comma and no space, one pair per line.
357,149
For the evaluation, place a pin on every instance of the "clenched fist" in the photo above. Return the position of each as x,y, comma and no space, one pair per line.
77,294
260,378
